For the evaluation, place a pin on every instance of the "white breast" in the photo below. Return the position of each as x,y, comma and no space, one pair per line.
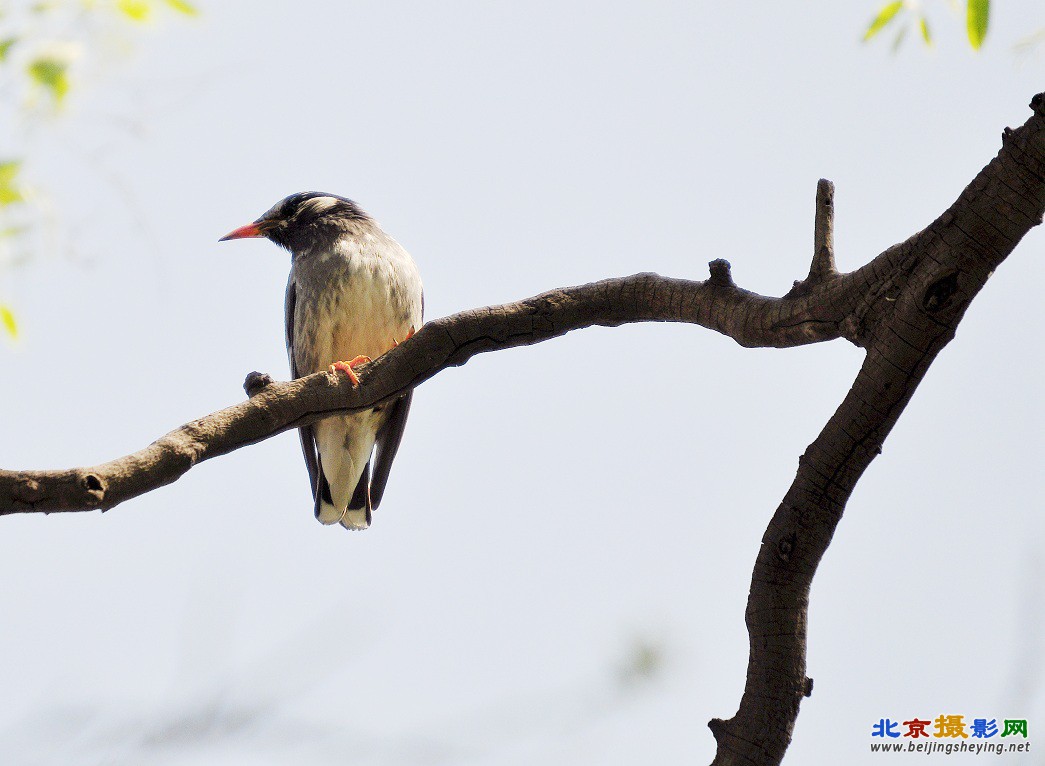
369,299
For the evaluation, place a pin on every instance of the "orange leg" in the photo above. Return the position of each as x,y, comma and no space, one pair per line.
349,368
409,335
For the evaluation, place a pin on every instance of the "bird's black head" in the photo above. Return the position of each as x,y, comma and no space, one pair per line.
303,221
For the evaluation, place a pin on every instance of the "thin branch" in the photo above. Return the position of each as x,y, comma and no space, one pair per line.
902,307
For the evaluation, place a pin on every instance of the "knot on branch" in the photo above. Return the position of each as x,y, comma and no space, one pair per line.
93,485
1038,104
256,382
940,293
718,728
785,546
720,273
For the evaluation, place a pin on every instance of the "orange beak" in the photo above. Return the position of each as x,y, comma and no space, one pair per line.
250,230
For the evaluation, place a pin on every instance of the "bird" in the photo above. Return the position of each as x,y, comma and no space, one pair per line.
353,294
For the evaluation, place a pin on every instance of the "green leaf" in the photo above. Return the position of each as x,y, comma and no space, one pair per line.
51,73
183,7
924,24
977,15
885,15
5,46
7,319
136,10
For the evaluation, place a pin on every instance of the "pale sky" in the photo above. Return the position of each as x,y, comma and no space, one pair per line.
553,509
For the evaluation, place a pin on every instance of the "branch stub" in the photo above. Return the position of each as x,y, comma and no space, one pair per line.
720,273
256,382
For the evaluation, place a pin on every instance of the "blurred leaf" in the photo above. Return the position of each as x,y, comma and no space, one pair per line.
5,46
9,192
898,40
137,10
885,15
183,7
976,17
8,170
924,24
7,318
51,73
1026,46
644,661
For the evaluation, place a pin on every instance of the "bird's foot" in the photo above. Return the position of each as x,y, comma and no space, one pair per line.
349,368
409,335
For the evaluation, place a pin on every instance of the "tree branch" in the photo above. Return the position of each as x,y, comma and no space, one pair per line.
753,320
908,317
902,307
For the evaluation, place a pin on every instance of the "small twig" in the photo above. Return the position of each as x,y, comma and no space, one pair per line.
823,233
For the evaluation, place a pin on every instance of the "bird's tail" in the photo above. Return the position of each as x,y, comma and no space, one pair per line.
357,515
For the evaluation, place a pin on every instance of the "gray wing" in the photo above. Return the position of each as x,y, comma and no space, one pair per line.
388,439
308,439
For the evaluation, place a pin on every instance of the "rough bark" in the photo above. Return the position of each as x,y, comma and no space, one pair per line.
903,307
